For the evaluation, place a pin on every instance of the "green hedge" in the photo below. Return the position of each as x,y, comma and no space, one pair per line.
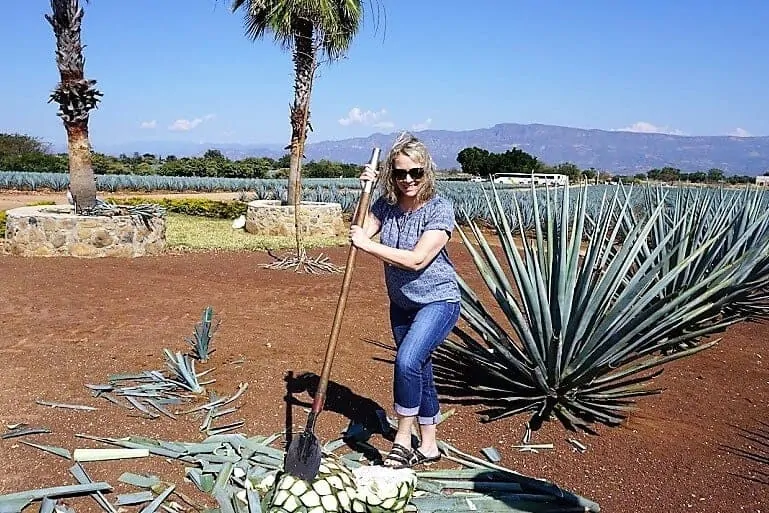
188,206
191,206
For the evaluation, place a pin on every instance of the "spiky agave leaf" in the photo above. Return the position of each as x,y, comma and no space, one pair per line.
202,335
584,325
739,221
183,368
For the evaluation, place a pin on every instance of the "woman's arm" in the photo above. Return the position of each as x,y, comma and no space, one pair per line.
429,245
372,225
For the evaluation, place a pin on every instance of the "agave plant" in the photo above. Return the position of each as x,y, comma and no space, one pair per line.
183,369
202,335
740,224
585,328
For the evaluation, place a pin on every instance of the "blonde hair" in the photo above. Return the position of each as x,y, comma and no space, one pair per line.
408,145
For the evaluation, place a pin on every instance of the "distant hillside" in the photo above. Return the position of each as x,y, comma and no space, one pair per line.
614,151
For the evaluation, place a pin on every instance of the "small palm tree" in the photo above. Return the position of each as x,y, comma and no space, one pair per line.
76,97
309,29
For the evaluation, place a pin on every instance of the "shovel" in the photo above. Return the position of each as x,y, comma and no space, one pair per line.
303,454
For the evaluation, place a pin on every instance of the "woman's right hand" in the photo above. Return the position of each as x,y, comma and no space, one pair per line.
369,174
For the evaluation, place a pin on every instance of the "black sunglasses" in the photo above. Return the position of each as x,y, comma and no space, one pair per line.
416,173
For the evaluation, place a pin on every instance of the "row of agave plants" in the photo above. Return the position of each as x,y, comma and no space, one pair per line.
468,197
583,310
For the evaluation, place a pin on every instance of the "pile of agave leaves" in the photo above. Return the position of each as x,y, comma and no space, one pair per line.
586,308
238,470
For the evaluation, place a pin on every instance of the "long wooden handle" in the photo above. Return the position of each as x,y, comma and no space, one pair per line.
359,219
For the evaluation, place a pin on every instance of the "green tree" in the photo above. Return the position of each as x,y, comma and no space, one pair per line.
569,169
214,154
20,144
715,175
284,161
666,174
512,161
76,97
473,160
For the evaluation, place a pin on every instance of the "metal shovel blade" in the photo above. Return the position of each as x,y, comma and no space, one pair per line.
303,456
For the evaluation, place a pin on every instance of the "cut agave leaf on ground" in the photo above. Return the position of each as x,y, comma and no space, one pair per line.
142,481
66,406
109,454
130,499
58,451
491,454
13,506
47,505
82,477
155,504
24,431
55,492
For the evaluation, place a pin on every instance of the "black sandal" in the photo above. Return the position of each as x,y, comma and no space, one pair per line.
399,457
417,458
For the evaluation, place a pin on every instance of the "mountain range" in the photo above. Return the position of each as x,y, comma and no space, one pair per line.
618,152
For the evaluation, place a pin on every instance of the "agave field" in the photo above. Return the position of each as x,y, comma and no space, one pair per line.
469,198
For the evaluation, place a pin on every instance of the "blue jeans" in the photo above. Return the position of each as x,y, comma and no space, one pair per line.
417,333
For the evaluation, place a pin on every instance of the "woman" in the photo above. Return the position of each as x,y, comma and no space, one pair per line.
414,224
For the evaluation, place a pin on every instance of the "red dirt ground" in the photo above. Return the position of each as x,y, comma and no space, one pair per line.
66,322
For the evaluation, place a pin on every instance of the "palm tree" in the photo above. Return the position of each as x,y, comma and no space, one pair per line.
307,28
76,96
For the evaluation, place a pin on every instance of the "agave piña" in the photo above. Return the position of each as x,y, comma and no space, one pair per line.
366,489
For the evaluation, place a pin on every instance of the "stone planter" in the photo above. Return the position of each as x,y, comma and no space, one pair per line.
269,217
55,230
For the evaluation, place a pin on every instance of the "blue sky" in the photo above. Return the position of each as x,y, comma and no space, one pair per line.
183,70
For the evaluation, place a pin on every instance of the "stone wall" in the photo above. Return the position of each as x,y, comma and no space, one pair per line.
269,217
57,231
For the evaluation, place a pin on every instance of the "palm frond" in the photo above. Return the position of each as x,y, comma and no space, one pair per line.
333,24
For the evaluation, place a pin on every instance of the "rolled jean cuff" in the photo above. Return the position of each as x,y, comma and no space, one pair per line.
406,412
429,421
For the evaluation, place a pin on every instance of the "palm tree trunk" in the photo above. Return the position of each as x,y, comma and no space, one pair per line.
82,182
304,72
76,96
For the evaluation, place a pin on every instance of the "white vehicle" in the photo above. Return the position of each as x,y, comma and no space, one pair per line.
538,179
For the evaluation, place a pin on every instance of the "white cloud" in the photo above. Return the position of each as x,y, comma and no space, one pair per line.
148,124
185,125
424,125
357,116
740,132
649,128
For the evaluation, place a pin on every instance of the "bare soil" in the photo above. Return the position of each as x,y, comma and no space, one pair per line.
66,322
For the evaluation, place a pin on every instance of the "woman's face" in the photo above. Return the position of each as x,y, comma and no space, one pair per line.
408,175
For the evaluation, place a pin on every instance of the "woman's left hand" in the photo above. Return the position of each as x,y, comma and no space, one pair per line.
358,237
